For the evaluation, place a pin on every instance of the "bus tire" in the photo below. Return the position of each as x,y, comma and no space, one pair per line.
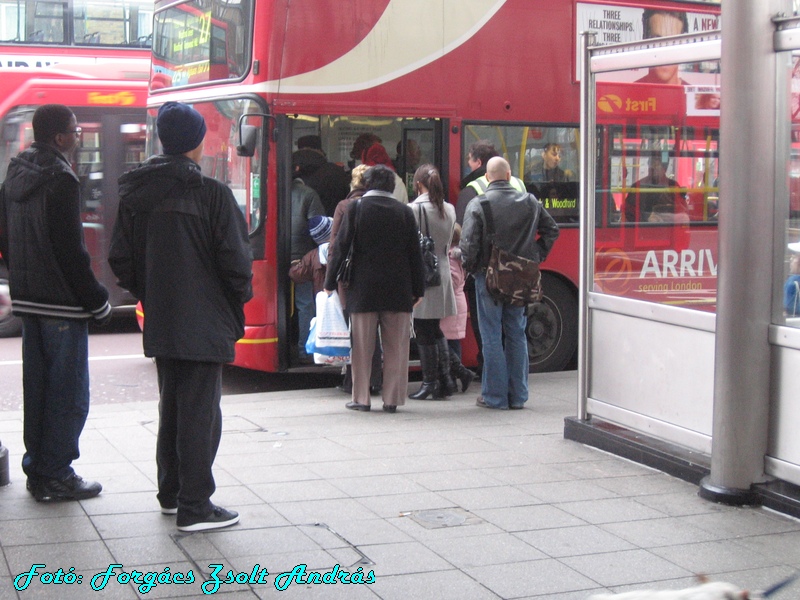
10,326
552,328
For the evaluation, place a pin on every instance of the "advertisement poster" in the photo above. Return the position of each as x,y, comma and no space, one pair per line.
614,24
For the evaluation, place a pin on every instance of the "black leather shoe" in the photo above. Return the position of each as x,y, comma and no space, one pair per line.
73,487
375,390
357,406
390,408
346,390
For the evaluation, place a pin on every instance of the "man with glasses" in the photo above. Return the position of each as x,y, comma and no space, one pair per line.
55,292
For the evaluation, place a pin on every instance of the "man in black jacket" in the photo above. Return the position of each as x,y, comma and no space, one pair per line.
55,292
180,246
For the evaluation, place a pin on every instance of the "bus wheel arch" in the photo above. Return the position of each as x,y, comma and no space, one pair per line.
552,325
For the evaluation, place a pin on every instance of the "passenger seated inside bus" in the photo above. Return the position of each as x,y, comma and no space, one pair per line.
547,168
657,197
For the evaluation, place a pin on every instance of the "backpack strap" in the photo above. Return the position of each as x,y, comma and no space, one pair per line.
487,215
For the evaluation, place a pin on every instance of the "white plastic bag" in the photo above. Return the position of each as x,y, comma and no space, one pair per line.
332,329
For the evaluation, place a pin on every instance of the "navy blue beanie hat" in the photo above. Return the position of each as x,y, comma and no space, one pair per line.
320,229
180,128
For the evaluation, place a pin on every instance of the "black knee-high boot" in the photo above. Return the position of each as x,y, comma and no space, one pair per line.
347,381
429,359
459,371
448,386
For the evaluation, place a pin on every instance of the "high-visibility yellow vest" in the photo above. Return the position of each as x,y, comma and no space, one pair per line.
481,184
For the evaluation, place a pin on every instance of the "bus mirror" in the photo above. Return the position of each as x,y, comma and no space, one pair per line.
248,136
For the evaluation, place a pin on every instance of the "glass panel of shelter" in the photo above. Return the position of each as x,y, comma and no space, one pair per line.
657,185
789,286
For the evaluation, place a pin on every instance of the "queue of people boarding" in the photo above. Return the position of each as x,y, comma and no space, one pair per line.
162,252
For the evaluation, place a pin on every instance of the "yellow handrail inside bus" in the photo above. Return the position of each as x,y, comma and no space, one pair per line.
522,147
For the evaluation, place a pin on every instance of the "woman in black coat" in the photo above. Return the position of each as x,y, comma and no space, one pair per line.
387,281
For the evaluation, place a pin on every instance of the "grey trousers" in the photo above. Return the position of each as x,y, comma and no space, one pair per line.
395,330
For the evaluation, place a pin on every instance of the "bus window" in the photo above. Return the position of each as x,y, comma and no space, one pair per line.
80,22
192,46
17,135
544,157
339,134
88,165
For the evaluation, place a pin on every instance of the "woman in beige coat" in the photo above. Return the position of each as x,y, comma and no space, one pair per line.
436,219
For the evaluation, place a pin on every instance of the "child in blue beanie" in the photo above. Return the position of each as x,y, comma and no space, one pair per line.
313,265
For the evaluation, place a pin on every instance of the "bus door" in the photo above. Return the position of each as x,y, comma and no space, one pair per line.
339,140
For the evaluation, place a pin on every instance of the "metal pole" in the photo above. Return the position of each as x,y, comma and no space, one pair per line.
586,252
746,225
4,477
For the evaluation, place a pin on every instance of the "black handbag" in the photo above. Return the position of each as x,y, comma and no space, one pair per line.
430,261
345,273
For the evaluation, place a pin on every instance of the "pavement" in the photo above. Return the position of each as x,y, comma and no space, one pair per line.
440,500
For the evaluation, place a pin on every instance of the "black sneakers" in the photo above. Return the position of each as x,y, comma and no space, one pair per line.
73,487
219,517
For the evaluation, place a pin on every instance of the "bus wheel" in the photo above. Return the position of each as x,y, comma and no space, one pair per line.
552,328
10,326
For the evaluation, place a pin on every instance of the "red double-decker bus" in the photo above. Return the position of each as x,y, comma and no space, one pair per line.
435,75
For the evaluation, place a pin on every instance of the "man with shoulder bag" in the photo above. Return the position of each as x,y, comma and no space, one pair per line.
506,234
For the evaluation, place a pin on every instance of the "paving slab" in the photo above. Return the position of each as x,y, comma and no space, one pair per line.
440,500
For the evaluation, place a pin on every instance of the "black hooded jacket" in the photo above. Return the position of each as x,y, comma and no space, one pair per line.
41,239
180,246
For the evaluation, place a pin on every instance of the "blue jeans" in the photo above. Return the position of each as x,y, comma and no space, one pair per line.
505,350
306,308
55,383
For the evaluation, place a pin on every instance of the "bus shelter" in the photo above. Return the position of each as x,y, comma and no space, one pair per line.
689,350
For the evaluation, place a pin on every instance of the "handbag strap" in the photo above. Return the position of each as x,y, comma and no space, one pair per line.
423,214
355,223
358,214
